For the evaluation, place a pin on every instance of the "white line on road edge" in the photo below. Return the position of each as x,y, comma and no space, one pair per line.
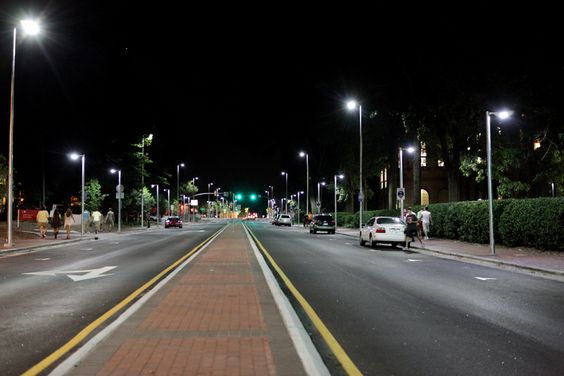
77,356
307,352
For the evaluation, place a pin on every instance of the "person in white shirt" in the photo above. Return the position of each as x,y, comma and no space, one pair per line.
426,220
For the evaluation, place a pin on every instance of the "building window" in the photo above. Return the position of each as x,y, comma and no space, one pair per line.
384,178
423,155
424,197
440,163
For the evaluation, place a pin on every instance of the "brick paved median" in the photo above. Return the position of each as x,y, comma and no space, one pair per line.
216,317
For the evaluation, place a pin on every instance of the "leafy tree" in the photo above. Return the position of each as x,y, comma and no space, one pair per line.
94,195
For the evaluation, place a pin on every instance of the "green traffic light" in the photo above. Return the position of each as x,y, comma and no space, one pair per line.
238,196
253,197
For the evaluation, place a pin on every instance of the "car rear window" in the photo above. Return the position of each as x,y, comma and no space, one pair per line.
284,216
386,221
324,218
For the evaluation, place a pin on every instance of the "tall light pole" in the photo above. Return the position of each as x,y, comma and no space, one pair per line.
340,176
351,105
119,192
31,28
149,138
299,218
306,155
286,207
178,186
209,201
74,157
168,200
318,204
410,150
500,115
158,211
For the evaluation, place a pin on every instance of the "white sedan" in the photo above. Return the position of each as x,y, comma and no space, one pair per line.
383,230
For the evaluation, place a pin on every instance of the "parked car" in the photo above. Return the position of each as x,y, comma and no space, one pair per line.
284,220
322,222
383,230
173,221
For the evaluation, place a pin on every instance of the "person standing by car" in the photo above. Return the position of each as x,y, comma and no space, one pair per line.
411,228
56,222
42,220
69,221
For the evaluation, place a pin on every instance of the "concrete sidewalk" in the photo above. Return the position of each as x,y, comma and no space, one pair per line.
546,263
216,316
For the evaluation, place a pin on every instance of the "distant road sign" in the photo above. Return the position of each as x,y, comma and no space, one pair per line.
119,188
119,195
401,193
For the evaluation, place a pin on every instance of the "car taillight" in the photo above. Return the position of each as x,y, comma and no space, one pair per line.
380,230
332,223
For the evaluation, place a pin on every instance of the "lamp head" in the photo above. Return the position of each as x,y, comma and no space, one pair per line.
341,176
504,114
302,154
351,105
74,156
30,27
113,170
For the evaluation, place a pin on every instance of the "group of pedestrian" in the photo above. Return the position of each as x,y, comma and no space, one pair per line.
417,225
67,220
97,220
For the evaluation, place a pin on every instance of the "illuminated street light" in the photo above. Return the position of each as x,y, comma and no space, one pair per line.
402,198
74,157
500,115
31,28
352,105
285,173
341,176
178,186
119,192
158,211
318,203
304,154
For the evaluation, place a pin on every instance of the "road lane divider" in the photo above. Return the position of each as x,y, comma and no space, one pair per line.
160,278
337,350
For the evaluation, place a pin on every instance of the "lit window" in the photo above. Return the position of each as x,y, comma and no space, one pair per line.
384,178
440,163
423,155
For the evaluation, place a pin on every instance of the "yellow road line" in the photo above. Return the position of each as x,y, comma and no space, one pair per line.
48,361
346,362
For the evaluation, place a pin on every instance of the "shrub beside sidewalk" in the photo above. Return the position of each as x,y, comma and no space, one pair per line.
536,222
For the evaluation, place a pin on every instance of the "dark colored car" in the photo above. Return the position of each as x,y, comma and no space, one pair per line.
322,222
173,222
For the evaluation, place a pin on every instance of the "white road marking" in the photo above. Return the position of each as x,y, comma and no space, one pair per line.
43,259
485,278
88,273
86,249
413,260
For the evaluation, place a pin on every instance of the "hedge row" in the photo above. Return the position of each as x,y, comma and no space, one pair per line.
537,222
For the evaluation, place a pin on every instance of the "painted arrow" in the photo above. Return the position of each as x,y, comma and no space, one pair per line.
88,273
413,260
485,278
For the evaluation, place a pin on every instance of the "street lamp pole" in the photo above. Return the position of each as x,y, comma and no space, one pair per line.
351,106
119,192
306,155
500,115
286,207
168,200
75,156
32,28
158,211
149,138
319,196
178,186
299,218
340,177
410,150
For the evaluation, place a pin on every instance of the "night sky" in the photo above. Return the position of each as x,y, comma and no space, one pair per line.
235,93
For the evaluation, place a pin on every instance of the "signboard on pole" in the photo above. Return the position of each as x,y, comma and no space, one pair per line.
193,202
401,193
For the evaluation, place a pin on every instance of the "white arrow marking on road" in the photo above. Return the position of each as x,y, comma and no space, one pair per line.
485,278
43,259
89,273
413,260
87,249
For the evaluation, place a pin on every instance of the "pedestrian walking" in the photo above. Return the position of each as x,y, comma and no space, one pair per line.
56,222
87,220
110,218
42,221
69,221
427,221
97,219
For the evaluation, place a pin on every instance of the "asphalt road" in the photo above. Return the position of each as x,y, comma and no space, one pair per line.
48,296
399,313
